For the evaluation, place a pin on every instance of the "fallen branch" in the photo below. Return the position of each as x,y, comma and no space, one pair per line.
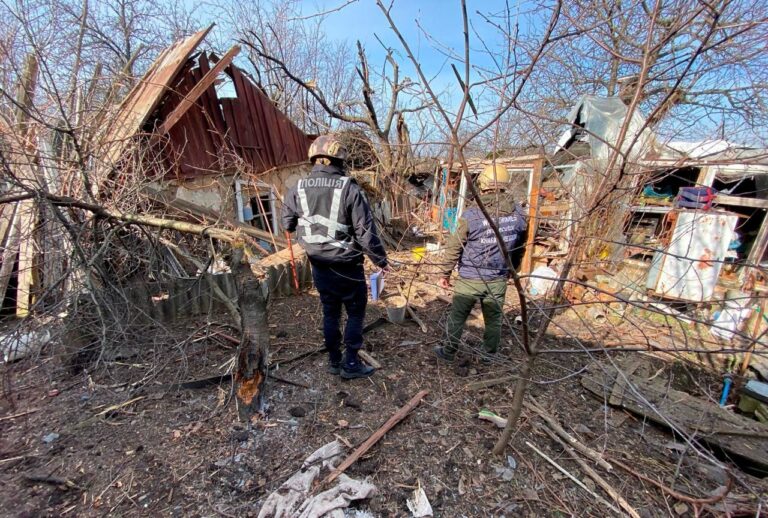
594,475
478,385
375,437
567,437
575,480
151,221
22,414
54,481
370,360
671,492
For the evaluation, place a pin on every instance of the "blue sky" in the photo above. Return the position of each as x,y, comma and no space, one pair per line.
433,28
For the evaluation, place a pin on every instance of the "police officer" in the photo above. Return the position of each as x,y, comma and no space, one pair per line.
483,270
334,224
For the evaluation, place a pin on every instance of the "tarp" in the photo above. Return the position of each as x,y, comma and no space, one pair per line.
603,118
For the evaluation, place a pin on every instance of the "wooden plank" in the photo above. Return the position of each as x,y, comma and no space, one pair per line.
739,201
142,100
10,252
706,176
533,217
650,396
756,253
26,273
194,94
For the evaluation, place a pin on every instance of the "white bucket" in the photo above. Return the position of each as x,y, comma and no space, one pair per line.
396,308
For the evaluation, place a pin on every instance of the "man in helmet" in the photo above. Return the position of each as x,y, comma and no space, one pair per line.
483,270
334,224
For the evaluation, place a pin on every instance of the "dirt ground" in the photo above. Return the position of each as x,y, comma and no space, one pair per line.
88,444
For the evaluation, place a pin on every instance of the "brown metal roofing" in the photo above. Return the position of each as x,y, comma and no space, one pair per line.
215,133
219,132
142,100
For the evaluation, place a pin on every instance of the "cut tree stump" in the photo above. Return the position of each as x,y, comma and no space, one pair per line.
251,369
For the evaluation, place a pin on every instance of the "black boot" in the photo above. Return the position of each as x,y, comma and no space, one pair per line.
353,367
334,362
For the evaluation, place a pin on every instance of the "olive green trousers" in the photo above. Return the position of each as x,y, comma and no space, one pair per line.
491,296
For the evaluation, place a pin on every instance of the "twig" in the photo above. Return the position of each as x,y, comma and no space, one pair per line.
594,475
374,438
297,357
287,382
370,360
477,385
19,457
576,480
671,492
14,416
411,312
567,437
61,482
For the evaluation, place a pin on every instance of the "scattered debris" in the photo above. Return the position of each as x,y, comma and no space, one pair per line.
487,415
745,440
49,438
418,504
295,498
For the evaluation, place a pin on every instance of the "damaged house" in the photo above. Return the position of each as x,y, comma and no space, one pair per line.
689,227
222,151
204,143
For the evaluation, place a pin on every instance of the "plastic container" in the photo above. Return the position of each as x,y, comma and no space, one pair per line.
377,285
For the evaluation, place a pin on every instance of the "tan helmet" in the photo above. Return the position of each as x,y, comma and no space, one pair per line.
493,176
327,146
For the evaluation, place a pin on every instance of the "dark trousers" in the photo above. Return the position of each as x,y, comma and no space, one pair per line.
465,295
341,285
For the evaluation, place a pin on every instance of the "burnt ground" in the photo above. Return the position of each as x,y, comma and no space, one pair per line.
175,452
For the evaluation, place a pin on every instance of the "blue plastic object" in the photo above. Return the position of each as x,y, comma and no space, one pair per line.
727,382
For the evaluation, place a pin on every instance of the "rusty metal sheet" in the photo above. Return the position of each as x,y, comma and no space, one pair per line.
142,100
212,129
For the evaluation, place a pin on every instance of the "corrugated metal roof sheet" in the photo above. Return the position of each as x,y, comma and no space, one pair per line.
217,132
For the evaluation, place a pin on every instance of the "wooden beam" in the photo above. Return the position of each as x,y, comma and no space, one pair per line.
706,176
533,217
193,95
739,201
26,273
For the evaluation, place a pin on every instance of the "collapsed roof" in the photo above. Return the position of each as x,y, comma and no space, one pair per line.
207,129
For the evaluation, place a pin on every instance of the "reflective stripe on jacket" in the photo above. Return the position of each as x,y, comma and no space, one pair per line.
332,218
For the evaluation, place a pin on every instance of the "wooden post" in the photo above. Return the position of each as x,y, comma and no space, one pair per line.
26,210
251,369
533,217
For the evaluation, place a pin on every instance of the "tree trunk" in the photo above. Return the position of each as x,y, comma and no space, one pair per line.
521,385
251,369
